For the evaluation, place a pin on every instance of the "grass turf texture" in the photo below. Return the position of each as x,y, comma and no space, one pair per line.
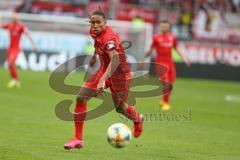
30,130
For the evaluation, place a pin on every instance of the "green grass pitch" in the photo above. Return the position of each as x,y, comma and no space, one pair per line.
29,129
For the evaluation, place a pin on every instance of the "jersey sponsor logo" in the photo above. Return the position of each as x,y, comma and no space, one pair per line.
170,38
166,44
15,31
160,39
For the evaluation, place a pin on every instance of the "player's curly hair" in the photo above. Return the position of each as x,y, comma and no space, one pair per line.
99,12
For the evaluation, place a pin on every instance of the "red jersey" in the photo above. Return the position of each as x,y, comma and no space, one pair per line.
163,45
103,44
15,33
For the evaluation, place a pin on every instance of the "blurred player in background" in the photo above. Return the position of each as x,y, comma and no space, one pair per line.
114,73
164,42
16,29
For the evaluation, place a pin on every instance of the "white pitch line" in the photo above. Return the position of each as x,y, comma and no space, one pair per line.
232,98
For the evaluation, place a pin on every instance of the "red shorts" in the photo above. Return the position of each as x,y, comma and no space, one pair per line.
170,75
119,86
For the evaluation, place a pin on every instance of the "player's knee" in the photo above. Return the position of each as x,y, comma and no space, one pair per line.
119,108
11,64
80,99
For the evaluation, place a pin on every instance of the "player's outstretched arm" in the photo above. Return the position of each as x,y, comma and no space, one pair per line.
114,63
26,32
153,44
1,24
184,58
4,26
149,53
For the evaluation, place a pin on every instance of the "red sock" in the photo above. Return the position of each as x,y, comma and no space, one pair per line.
79,117
13,71
132,114
166,98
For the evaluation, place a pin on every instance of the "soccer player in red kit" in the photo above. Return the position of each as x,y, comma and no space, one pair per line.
16,29
113,73
164,42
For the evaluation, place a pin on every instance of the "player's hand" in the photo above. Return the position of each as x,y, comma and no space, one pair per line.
37,53
92,61
188,63
140,65
35,49
147,55
100,87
